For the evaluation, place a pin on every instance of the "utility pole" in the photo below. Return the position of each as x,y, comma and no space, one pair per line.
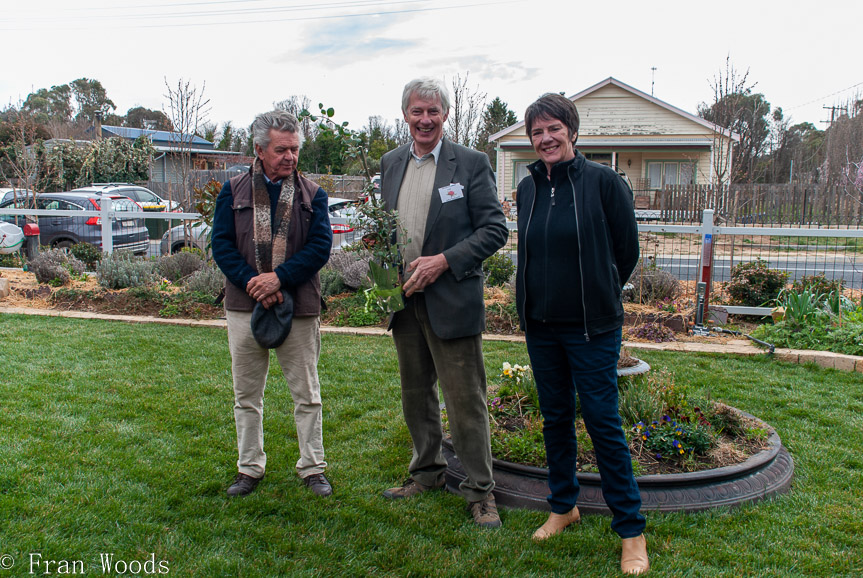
652,75
832,110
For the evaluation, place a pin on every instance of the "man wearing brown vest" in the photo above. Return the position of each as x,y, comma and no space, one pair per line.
447,201
271,236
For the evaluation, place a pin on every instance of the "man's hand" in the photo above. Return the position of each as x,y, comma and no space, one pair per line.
263,286
425,271
273,299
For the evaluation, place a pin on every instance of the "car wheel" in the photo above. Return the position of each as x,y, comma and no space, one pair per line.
64,244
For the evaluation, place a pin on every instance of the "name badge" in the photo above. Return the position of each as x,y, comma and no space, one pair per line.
451,192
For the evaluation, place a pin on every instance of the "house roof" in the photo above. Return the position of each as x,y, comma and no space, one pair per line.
613,81
161,137
625,142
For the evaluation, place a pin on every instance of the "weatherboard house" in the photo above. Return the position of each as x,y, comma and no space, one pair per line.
652,142
169,146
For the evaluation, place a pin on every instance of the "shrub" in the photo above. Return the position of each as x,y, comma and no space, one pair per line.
754,283
55,267
87,253
179,265
354,269
332,282
208,280
498,269
818,284
639,402
656,332
800,308
650,284
122,269
14,260
351,312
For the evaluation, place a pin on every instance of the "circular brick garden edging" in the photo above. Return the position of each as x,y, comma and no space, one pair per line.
766,473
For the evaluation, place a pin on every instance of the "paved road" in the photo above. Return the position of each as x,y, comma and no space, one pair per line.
838,267
685,267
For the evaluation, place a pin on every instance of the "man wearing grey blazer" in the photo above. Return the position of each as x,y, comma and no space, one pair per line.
446,198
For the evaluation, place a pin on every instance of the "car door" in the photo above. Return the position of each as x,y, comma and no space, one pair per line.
54,226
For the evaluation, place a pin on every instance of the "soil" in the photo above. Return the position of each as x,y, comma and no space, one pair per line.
87,295
728,451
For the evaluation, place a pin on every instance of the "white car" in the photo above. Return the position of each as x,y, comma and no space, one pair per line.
143,196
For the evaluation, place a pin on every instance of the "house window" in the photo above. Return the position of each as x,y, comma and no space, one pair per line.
519,171
601,158
662,173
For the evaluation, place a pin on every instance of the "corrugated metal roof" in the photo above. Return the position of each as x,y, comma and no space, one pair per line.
170,149
155,136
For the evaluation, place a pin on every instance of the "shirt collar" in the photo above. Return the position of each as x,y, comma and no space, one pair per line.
435,152
269,182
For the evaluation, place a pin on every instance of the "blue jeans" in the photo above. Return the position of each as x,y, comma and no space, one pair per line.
565,363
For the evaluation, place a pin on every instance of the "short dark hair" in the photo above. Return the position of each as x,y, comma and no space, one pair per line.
552,106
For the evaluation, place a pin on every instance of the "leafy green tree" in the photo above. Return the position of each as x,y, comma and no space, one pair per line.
141,117
54,105
323,154
91,98
227,137
496,117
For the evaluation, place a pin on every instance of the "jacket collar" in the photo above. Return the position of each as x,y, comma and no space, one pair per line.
576,166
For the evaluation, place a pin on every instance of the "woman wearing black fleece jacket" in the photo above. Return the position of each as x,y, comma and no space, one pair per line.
578,245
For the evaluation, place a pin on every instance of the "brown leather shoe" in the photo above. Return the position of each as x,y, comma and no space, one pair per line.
633,558
556,523
319,484
485,513
243,485
410,488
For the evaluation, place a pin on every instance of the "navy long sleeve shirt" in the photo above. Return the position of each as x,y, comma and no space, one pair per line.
299,268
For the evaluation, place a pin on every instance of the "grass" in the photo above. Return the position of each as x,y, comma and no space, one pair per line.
119,439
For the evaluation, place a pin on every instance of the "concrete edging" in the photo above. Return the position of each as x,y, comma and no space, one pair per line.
826,359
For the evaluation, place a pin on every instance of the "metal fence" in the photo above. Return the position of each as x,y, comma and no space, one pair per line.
808,205
836,252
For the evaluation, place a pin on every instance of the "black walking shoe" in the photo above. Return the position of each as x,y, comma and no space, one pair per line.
319,484
243,485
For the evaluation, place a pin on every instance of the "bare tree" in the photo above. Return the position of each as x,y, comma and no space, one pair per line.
187,109
19,161
729,91
843,162
295,105
401,132
463,124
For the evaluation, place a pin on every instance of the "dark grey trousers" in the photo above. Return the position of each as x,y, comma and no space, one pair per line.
425,360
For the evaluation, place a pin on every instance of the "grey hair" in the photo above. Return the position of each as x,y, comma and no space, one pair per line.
278,120
426,87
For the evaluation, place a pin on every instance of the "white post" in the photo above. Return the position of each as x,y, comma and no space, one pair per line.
107,217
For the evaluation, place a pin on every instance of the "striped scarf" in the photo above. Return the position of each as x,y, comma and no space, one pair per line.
270,248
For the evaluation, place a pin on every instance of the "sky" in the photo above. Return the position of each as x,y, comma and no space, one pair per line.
357,55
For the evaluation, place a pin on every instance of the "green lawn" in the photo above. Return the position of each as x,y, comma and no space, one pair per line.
119,439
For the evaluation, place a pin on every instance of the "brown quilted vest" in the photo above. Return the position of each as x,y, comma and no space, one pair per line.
307,296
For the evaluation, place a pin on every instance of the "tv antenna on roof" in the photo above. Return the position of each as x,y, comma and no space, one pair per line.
652,75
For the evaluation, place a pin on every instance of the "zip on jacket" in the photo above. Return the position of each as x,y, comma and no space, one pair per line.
577,234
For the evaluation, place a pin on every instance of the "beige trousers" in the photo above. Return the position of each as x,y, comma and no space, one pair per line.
298,358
